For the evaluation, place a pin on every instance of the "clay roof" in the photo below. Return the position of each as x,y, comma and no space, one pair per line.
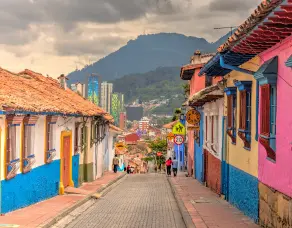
116,129
170,125
273,27
32,92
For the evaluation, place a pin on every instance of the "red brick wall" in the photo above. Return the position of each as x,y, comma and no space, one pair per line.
213,172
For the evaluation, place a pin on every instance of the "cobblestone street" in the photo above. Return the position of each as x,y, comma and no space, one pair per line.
139,201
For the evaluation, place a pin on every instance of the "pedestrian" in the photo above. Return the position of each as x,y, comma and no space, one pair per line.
168,166
128,169
174,166
116,163
132,169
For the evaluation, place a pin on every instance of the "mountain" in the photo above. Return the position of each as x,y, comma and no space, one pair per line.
146,53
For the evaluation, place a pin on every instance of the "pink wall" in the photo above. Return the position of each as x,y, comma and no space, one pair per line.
191,149
278,175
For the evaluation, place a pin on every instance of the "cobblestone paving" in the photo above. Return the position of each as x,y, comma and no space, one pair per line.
139,201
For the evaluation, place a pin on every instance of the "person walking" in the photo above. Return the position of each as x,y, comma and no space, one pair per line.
174,166
128,169
168,166
116,163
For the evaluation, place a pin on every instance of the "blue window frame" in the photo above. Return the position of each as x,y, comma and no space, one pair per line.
244,131
273,113
266,77
248,116
234,106
231,93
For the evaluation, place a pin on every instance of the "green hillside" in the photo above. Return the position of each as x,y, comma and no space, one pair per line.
163,83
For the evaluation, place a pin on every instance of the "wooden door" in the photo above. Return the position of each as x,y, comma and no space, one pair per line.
66,161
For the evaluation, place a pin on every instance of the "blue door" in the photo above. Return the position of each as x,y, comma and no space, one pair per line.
199,159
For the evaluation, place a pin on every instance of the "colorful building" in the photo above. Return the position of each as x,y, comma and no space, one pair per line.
195,154
255,64
41,137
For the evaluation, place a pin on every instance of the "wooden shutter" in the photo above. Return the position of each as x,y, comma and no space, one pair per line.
265,110
242,121
229,111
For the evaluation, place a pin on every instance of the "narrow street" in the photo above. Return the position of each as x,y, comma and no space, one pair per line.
139,201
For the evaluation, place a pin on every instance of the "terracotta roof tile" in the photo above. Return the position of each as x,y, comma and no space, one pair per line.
32,92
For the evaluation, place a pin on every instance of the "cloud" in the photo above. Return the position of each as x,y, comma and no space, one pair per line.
35,30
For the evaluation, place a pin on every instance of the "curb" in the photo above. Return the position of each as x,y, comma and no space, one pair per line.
67,211
183,210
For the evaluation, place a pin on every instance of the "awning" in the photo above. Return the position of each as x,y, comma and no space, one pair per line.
208,94
213,67
268,72
289,62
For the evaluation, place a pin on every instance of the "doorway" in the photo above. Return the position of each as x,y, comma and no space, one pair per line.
66,161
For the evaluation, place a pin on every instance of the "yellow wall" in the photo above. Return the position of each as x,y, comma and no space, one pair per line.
237,156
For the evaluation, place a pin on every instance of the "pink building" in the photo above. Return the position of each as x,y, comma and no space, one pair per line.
275,127
275,121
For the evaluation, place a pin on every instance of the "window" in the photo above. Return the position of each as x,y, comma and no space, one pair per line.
273,111
12,161
231,93
83,138
208,81
50,138
268,119
244,131
28,156
76,139
267,79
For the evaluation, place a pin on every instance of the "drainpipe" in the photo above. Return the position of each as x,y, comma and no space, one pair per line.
230,67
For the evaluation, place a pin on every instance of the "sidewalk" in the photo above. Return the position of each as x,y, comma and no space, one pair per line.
205,208
42,212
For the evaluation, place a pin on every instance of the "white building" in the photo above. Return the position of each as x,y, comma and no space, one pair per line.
106,96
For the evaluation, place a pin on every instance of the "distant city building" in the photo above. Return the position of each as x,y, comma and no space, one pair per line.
79,88
93,88
144,124
123,120
134,113
106,96
117,106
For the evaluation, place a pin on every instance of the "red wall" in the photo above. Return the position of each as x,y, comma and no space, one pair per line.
197,83
213,172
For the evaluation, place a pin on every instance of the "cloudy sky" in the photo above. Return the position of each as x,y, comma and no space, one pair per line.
55,36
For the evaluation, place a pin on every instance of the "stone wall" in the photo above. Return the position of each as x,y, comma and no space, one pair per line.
275,208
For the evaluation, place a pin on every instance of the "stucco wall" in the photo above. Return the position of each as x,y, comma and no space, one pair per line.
26,189
243,192
246,160
213,172
278,175
191,151
42,182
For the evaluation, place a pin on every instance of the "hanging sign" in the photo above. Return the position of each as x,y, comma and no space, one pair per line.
120,146
193,117
179,129
179,139
170,136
